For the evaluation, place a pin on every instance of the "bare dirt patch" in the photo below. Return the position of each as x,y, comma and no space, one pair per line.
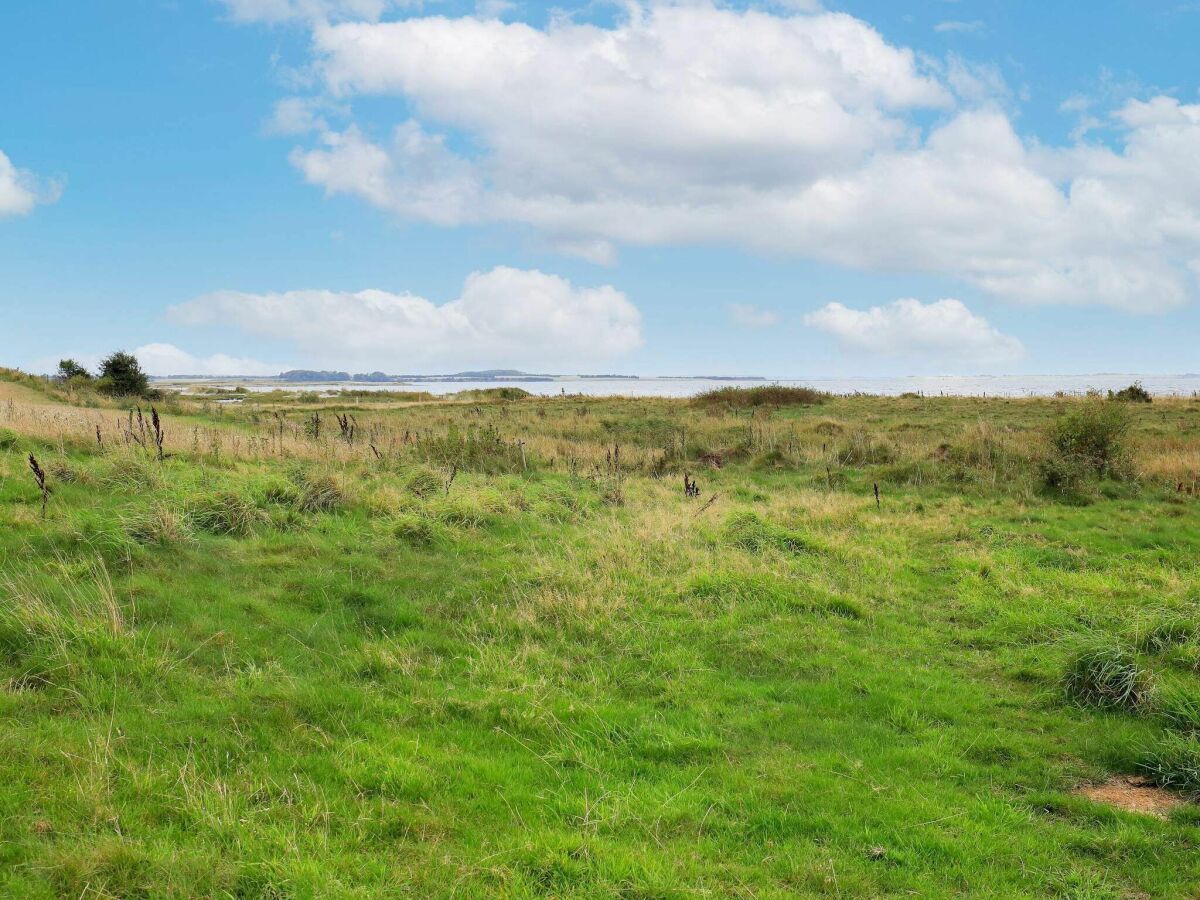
1133,794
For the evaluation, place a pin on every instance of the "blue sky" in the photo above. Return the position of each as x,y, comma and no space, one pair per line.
855,188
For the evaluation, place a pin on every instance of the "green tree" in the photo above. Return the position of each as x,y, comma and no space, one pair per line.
68,369
121,375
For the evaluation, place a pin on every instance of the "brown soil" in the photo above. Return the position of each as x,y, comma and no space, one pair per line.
1134,794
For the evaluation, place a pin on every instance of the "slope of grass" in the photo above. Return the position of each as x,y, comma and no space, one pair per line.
436,672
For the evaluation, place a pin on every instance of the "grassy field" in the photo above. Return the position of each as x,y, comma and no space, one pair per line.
493,648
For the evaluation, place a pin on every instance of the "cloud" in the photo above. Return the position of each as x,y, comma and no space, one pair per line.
752,317
167,359
797,134
942,331
21,190
973,27
504,316
302,115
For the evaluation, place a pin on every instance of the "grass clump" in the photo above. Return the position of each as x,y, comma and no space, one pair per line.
155,522
1106,675
224,513
1174,762
765,395
414,530
319,492
50,626
1168,632
423,482
747,531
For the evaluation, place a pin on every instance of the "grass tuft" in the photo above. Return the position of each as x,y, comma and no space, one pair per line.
1106,675
224,513
1174,762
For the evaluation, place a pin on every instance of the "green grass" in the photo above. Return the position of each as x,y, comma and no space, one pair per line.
266,675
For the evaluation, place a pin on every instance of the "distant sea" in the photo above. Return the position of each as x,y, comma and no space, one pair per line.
932,385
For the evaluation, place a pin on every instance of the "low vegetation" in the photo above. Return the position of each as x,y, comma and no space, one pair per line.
504,645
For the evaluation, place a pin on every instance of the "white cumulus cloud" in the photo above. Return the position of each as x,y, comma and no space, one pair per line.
503,317
21,190
942,331
167,359
794,133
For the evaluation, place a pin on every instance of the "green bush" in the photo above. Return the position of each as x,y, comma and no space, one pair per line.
121,375
1068,476
1086,444
1135,393
1092,436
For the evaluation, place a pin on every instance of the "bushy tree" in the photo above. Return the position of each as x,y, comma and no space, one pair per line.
121,375
68,369
1085,444
1135,393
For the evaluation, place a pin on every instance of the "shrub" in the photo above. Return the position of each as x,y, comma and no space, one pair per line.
1105,675
1135,393
1174,762
224,513
69,369
766,395
1069,476
121,375
1092,436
